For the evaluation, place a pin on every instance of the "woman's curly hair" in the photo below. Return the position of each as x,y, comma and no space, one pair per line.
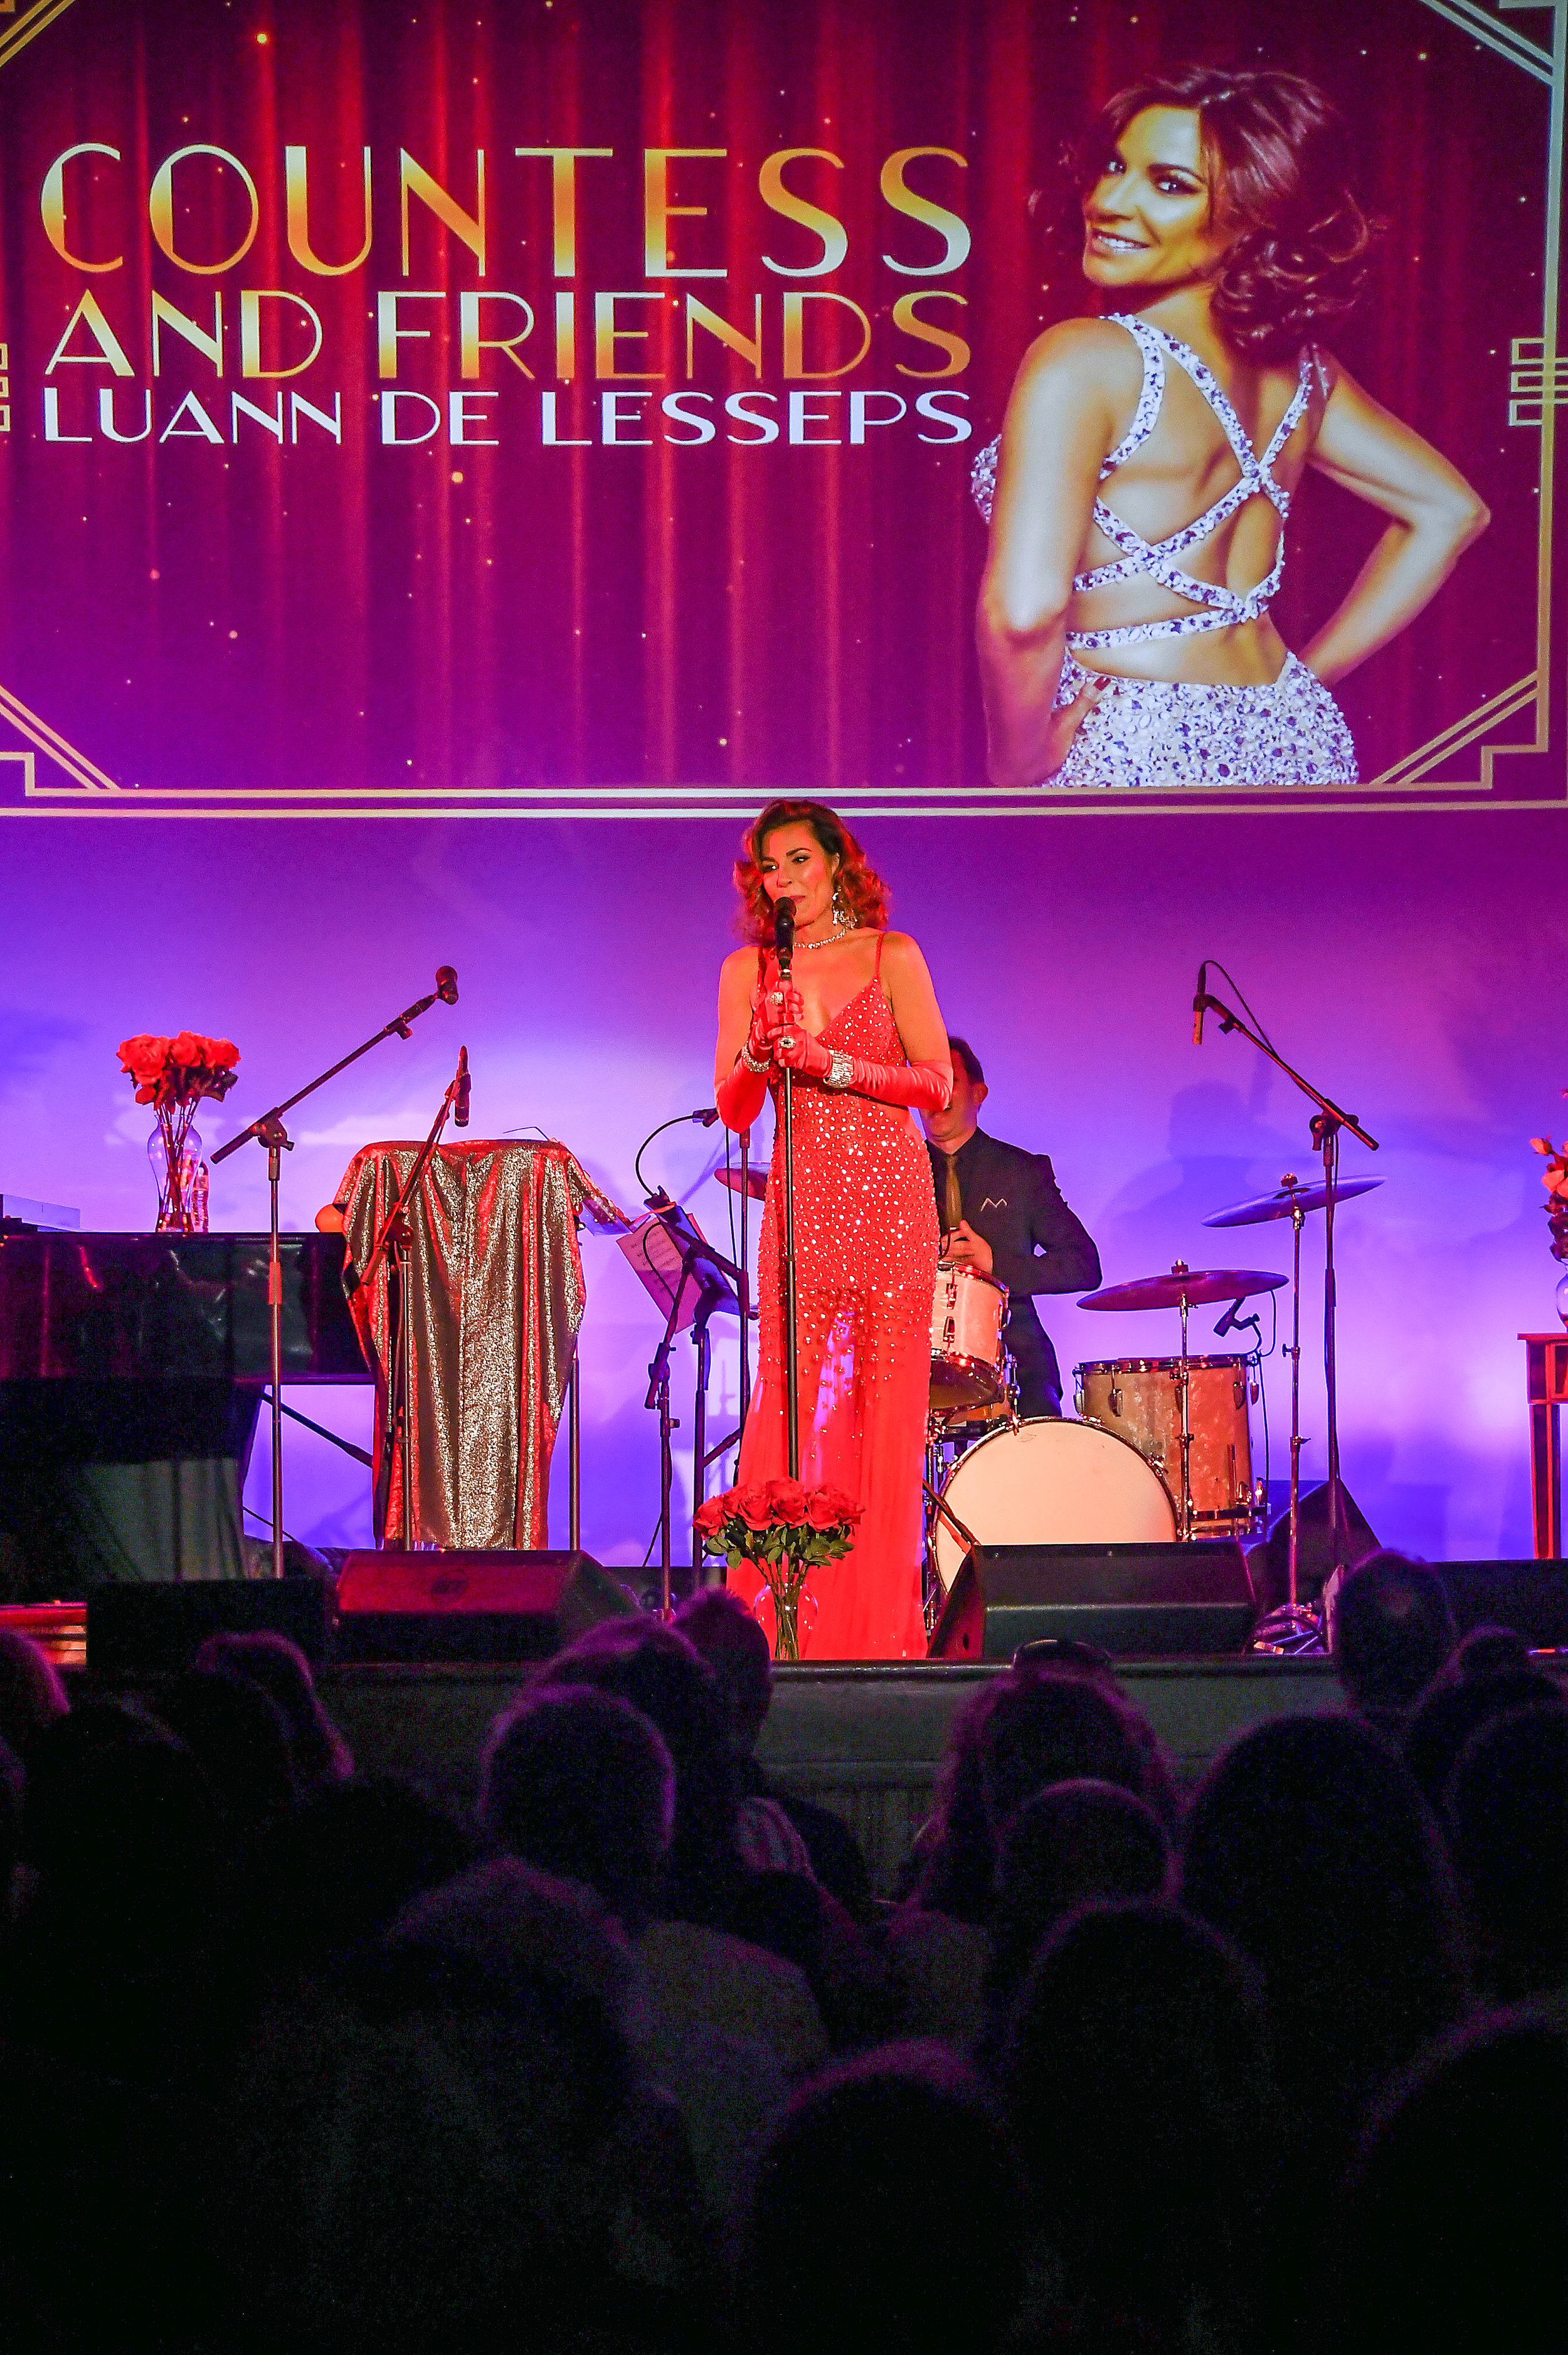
1278,156
860,888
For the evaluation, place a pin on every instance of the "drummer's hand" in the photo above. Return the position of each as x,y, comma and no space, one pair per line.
961,1247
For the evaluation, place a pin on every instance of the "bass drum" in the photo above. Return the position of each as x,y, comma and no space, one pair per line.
1053,1481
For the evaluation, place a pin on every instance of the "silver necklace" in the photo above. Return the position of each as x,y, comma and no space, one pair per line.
841,933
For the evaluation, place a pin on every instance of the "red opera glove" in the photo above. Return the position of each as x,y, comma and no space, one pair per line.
741,1093
793,1044
740,1096
925,1087
778,1006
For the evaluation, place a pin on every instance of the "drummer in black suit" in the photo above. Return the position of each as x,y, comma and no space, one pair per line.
1002,1214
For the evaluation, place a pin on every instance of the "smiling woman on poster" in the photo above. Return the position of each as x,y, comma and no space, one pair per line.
1139,493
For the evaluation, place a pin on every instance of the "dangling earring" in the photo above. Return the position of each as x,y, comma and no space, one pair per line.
843,921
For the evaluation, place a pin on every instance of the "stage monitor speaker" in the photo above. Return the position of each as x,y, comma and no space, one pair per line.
155,1625
1136,1602
1530,1597
460,1605
1270,1563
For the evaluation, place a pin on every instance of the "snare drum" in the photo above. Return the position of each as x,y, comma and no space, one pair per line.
967,1314
1052,1483
1140,1400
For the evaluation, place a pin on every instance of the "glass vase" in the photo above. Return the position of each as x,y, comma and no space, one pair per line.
1560,1297
788,1601
179,1173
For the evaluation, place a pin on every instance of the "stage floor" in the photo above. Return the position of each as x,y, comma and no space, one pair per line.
867,1741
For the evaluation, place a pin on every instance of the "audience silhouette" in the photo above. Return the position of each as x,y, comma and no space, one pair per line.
1392,1631
1140,2089
631,2061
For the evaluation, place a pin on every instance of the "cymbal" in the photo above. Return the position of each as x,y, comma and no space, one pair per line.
755,1183
1183,1284
1279,1204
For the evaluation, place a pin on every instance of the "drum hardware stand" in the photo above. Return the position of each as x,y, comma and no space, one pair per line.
1234,1322
1298,1220
936,1433
395,1241
1184,1385
942,1511
1294,1621
269,1130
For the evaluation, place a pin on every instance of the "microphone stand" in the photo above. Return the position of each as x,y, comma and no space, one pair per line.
785,950
269,1130
744,1287
396,1241
714,1275
1325,1125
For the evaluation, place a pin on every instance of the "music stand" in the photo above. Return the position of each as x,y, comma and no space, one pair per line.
682,1272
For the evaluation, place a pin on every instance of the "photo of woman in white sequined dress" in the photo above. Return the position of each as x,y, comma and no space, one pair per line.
1138,492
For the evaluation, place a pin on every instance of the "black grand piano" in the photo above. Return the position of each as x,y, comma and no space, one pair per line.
131,1371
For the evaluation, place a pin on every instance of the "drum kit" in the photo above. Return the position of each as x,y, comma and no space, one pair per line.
1161,1448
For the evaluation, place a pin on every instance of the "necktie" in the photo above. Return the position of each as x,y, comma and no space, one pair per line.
952,1200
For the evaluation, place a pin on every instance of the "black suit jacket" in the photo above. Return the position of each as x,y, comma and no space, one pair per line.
1012,1199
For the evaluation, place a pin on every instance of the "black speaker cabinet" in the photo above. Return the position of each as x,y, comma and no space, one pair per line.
156,1624
1137,1602
472,1606
1531,1597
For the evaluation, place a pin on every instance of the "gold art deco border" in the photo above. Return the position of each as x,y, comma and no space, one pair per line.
1410,784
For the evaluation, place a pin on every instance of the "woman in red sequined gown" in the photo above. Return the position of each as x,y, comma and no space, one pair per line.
862,1033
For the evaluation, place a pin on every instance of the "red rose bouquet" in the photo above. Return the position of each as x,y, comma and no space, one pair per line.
784,1530
173,1075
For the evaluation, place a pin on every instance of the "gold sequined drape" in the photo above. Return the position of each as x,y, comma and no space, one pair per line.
496,1295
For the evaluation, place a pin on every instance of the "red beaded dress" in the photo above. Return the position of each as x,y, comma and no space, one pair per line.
865,1253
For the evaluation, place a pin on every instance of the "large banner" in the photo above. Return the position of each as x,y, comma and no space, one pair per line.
544,407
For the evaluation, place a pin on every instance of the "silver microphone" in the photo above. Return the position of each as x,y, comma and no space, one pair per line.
1198,1003
460,1109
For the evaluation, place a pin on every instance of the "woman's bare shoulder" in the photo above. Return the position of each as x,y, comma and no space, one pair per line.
1083,354
901,953
739,964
